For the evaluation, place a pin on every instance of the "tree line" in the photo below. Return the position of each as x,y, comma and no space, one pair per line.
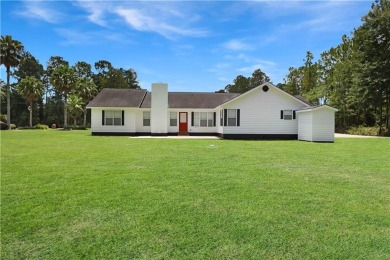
52,94
353,77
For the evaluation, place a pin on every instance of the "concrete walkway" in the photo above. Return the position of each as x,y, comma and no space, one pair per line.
356,136
178,137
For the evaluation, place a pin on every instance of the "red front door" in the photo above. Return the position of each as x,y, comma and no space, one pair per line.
183,122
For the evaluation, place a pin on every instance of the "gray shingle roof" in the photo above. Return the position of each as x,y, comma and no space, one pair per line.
193,99
142,98
110,97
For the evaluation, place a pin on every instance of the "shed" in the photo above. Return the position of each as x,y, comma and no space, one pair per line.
316,124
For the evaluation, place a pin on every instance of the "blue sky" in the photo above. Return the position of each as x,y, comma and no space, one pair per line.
192,46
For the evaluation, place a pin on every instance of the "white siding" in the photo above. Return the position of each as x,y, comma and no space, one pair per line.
305,126
323,125
98,127
260,113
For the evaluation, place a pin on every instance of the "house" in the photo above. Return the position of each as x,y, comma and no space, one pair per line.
265,112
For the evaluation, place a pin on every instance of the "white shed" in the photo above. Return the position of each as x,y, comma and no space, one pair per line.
316,124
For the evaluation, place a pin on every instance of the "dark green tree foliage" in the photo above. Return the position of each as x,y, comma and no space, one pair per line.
10,57
86,91
373,44
242,84
64,79
31,89
29,66
109,77
292,81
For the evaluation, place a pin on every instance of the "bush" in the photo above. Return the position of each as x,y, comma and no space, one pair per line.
3,126
13,126
75,127
364,130
41,127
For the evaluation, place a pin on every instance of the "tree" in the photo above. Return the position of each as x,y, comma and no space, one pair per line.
83,69
258,78
10,57
293,81
86,90
373,43
31,89
30,66
110,77
242,84
64,80
75,107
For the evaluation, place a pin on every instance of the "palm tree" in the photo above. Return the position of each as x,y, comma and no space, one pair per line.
64,80
75,107
86,90
31,89
10,57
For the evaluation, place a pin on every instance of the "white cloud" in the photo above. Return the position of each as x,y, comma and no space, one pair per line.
236,45
40,10
164,18
77,37
142,21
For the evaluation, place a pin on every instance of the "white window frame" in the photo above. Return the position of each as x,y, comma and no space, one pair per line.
146,118
231,121
113,117
287,114
204,119
173,119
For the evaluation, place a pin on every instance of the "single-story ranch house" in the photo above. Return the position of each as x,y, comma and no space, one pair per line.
265,112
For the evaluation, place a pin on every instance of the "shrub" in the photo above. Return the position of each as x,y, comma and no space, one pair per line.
13,126
75,127
3,126
41,127
363,130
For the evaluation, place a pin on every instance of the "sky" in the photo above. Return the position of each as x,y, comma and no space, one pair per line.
190,45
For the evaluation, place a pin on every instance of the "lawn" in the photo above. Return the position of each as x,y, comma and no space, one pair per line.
67,194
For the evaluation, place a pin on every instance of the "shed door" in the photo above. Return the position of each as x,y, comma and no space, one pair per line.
183,122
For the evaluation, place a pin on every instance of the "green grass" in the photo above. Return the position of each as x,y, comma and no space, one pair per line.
67,194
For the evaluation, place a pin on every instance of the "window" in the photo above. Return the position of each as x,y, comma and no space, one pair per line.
221,117
232,117
287,114
173,119
203,119
146,118
113,117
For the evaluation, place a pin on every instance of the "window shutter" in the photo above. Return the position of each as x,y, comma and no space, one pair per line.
281,114
238,117
192,118
294,116
123,117
225,117
215,118
102,117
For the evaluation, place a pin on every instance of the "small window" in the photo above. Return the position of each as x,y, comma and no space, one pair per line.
232,117
173,119
221,117
287,114
146,118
